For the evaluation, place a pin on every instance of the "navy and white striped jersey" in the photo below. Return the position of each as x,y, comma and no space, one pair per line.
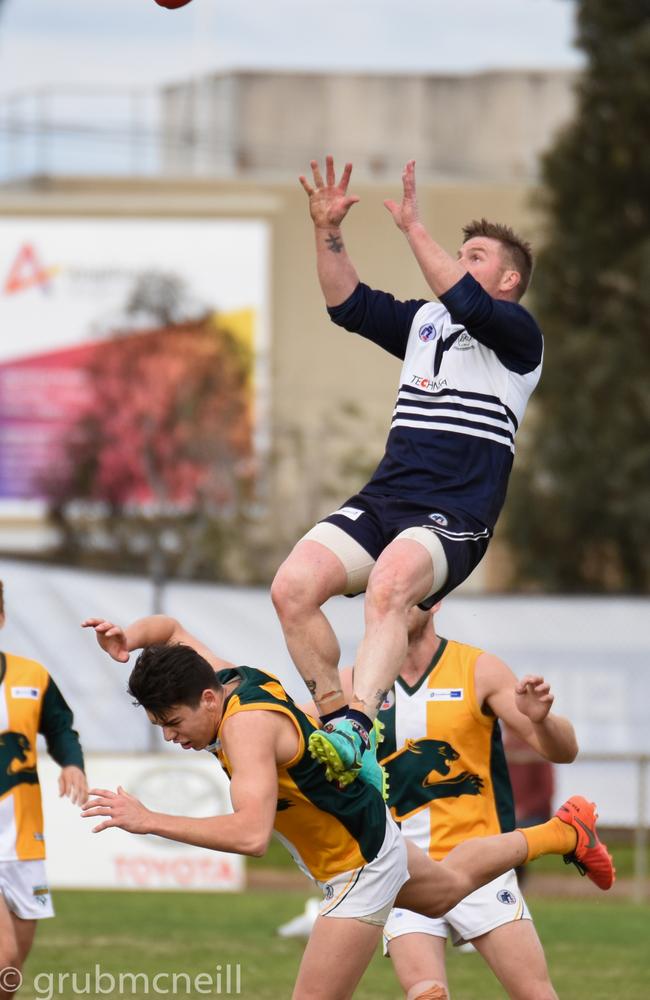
470,364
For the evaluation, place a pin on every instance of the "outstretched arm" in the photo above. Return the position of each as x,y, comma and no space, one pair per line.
329,203
525,706
249,740
153,630
440,269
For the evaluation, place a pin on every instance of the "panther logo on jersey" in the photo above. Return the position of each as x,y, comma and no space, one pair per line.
17,762
417,775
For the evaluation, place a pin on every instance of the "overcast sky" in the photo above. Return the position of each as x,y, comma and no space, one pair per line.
124,42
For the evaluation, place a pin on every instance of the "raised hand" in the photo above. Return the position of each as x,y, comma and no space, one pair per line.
406,214
110,637
533,697
329,202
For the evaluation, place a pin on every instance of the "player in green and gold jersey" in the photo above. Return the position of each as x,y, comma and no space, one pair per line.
344,838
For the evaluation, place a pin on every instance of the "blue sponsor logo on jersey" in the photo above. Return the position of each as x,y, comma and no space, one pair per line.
427,332
505,896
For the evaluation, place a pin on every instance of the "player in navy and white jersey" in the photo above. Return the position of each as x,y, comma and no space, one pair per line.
423,522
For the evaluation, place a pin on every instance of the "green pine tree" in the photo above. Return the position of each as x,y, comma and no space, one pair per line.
579,510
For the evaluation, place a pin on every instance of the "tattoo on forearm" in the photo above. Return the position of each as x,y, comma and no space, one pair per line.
334,243
311,687
380,698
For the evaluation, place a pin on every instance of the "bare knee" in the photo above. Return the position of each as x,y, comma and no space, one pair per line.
388,592
293,591
428,989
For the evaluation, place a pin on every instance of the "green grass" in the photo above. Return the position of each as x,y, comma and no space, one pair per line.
278,857
597,948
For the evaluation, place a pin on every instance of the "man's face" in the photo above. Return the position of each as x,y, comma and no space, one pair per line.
193,728
485,260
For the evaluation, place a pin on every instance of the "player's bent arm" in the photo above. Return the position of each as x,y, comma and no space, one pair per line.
439,268
250,745
249,740
550,735
235,833
153,630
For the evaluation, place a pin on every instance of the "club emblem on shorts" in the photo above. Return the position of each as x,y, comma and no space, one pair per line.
439,519
40,893
505,896
328,891
427,332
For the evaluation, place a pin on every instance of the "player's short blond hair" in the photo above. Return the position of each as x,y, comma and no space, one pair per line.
518,252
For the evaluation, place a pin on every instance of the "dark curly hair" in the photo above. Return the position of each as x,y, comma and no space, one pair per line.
165,676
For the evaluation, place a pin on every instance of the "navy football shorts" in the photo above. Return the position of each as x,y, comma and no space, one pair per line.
375,521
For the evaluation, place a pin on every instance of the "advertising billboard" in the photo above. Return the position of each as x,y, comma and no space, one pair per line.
156,304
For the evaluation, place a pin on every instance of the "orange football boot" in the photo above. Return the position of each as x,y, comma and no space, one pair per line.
590,856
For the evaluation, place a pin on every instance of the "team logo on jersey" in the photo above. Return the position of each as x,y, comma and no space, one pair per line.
439,519
464,342
427,332
388,701
17,761
420,772
505,896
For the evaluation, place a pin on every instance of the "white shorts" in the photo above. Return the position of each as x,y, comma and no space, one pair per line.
23,884
499,902
368,893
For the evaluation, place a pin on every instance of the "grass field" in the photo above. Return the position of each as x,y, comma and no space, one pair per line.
278,857
597,948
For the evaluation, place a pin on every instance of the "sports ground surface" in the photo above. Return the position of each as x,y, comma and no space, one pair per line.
597,945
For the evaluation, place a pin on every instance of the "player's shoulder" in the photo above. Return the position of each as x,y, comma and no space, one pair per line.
492,671
430,311
520,315
256,685
24,669
464,649
24,664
